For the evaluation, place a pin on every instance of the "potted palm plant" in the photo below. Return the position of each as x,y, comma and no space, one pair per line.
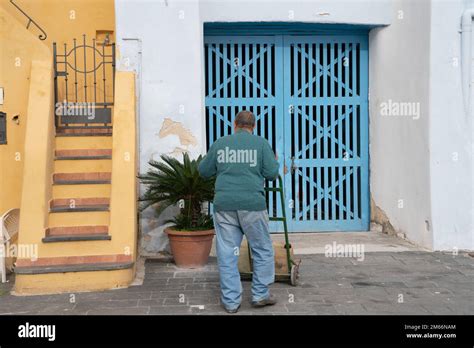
171,182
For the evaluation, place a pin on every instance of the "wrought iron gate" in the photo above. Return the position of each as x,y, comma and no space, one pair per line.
309,95
84,76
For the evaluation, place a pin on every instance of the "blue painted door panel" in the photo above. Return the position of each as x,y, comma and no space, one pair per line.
309,95
245,73
326,132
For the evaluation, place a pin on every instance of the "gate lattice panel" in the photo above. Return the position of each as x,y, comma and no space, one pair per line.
241,74
326,138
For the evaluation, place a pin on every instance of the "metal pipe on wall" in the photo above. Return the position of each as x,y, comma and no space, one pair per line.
466,63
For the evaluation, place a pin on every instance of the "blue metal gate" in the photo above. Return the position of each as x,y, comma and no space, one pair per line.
309,95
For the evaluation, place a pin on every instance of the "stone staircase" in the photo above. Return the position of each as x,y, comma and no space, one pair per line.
78,222
79,208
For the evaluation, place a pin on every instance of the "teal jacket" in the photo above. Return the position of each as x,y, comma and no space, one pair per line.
241,162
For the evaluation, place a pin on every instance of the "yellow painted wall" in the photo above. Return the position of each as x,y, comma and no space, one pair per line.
18,49
54,283
27,77
123,196
39,140
62,20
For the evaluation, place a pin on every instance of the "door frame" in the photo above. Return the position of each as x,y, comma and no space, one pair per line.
284,30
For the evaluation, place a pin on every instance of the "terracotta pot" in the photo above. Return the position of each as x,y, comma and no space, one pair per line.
190,248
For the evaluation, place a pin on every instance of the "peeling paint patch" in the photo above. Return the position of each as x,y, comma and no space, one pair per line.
174,139
380,217
170,127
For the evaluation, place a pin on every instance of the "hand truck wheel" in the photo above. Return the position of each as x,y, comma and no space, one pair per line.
294,273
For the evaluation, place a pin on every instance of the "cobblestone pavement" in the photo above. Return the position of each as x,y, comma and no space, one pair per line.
411,282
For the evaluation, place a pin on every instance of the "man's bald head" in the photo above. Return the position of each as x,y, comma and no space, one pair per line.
245,119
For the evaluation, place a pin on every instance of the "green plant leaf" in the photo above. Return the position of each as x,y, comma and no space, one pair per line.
170,181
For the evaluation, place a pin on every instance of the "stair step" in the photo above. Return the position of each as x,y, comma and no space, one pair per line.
78,218
62,264
79,143
78,132
83,166
76,238
79,204
83,154
79,208
76,233
77,230
82,190
81,178
84,267
83,134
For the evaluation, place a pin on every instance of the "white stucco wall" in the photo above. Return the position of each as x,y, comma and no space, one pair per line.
404,152
171,101
399,145
451,132
374,12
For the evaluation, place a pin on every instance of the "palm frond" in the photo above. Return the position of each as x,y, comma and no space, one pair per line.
170,181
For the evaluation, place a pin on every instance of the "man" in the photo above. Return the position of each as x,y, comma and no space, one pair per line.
241,162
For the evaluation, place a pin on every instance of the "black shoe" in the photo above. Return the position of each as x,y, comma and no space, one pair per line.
231,310
270,301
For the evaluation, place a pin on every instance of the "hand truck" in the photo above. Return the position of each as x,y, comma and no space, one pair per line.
292,273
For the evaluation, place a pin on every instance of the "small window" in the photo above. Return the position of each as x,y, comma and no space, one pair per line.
3,128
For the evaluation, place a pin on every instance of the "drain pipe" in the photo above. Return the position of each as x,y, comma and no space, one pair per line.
466,60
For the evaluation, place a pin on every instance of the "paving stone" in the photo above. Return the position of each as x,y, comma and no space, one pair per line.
462,308
439,310
344,299
311,309
421,284
196,274
431,283
350,308
154,302
211,300
170,310
119,311
180,281
131,296
156,274
395,308
59,309
156,282
207,280
215,309
365,284
304,299
106,304
201,286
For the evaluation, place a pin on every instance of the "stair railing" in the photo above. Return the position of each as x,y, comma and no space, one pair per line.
43,34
